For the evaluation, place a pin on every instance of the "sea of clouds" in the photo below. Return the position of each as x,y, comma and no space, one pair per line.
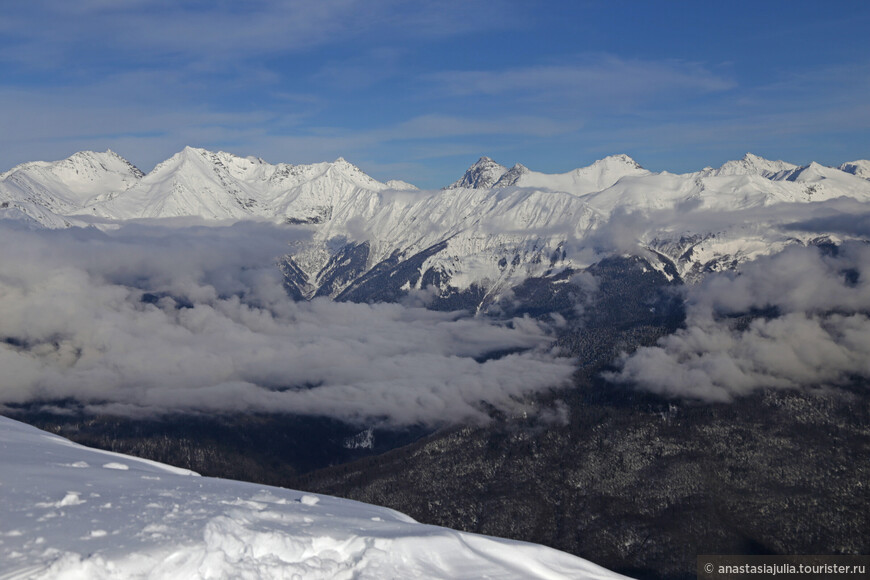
152,319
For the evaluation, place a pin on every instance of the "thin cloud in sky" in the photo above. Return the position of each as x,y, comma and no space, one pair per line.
214,32
597,79
437,126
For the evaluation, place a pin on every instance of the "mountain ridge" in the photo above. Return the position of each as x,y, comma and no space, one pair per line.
81,173
494,228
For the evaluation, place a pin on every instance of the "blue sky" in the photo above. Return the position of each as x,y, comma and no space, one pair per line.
418,90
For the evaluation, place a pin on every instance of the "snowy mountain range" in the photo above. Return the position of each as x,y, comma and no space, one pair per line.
486,233
73,512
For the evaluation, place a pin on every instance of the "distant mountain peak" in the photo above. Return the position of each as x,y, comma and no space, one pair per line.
483,174
344,164
619,158
751,164
486,173
512,175
859,168
189,150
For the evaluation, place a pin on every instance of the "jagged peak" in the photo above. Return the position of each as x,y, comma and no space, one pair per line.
202,153
350,171
753,159
190,150
812,172
512,175
187,156
343,163
619,158
87,160
752,164
199,153
235,163
482,174
187,153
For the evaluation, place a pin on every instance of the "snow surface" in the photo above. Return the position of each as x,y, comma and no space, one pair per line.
70,512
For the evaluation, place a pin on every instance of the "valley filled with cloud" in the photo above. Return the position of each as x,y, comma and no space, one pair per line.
147,320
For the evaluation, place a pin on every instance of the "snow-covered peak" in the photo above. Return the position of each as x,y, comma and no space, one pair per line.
96,165
619,162
187,155
197,182
483,174
812,172
860,168
343,165
593,178
512,176
754,165
353,173
605,172
84,164
73,512
62,186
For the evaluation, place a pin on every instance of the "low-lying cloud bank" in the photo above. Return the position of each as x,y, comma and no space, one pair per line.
800,318
148,320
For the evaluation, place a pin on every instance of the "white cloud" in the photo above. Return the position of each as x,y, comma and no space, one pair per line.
809,327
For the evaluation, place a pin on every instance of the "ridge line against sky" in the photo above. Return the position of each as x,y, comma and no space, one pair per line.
419,90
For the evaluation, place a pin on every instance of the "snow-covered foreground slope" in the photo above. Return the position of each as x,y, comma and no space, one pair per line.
68,511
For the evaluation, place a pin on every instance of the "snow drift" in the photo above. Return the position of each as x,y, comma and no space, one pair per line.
73,512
